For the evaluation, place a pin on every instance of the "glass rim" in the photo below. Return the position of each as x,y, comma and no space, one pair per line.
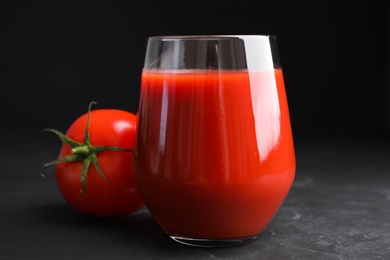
217,51
209,37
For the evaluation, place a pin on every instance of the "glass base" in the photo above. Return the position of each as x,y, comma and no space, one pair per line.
200,242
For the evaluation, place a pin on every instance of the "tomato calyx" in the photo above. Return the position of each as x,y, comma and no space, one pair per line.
85,152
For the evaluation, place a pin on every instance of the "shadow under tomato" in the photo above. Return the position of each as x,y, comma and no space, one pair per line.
137,234
138,227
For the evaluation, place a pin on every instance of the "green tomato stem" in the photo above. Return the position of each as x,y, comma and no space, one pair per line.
84,152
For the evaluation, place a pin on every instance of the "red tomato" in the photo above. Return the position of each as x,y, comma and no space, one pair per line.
112,191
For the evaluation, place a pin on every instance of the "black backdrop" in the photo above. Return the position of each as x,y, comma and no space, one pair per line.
57,56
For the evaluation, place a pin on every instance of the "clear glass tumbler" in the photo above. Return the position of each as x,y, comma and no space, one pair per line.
214,157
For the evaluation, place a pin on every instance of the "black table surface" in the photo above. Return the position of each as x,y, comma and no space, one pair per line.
338,208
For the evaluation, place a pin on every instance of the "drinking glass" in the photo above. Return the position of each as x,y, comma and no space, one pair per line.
214,156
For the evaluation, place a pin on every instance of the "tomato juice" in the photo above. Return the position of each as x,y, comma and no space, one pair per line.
214,157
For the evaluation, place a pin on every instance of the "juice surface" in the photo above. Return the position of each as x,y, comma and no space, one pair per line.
214,155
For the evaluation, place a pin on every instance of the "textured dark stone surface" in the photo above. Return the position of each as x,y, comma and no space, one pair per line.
338,208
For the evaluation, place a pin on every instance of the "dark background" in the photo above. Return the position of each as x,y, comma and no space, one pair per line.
57,56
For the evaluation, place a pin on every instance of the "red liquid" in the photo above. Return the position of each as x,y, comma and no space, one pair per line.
215,155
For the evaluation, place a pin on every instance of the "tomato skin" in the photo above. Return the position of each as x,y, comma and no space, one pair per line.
117,197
